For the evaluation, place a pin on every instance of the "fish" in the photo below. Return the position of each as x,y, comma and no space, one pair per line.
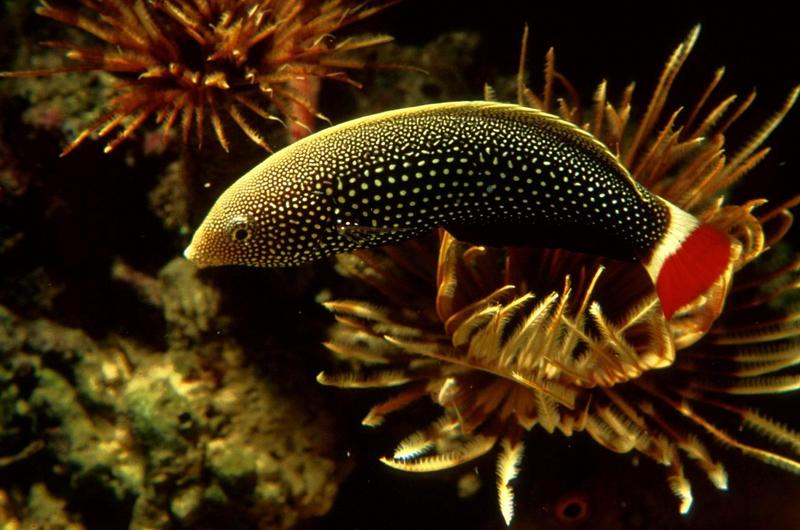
493,174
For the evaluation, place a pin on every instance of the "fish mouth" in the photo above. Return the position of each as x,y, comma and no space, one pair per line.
199,251
190,253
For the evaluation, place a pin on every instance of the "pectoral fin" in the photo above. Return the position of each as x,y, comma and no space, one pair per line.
370,236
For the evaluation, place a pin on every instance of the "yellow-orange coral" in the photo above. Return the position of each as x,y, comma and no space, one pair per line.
179,60
508,339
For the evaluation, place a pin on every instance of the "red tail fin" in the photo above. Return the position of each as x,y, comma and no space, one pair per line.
692,268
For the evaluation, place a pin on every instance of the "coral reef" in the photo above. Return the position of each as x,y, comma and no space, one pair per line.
122,381
159,436
135,392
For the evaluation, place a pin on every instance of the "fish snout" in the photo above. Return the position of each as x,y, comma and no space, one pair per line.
208,248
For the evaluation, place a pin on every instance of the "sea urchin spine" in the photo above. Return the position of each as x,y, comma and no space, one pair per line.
186,61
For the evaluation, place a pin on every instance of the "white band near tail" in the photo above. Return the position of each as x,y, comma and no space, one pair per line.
681,225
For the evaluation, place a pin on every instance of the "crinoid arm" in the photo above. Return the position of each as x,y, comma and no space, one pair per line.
510,339
420,452
508,464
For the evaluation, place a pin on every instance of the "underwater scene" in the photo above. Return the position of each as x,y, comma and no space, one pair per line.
398,264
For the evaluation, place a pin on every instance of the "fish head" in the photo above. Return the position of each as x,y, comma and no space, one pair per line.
276,215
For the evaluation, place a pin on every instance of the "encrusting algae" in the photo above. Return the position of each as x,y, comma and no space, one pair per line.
507,339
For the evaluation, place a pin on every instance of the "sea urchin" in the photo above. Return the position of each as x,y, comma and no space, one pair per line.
188,60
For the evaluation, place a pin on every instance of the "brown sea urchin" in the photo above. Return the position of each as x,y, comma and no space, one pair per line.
505,340
187,61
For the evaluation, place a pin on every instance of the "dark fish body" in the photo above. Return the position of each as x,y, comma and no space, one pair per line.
490,173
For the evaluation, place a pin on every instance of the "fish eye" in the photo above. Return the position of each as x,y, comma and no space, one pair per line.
239,230
572,509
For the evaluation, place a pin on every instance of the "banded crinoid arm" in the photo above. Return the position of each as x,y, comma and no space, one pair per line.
504,340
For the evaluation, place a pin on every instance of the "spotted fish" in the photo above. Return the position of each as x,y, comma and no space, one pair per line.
490,173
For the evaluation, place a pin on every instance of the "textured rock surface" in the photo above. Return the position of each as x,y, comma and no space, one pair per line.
194,436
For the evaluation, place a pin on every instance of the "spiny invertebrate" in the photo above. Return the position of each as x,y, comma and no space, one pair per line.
187,61
508,339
